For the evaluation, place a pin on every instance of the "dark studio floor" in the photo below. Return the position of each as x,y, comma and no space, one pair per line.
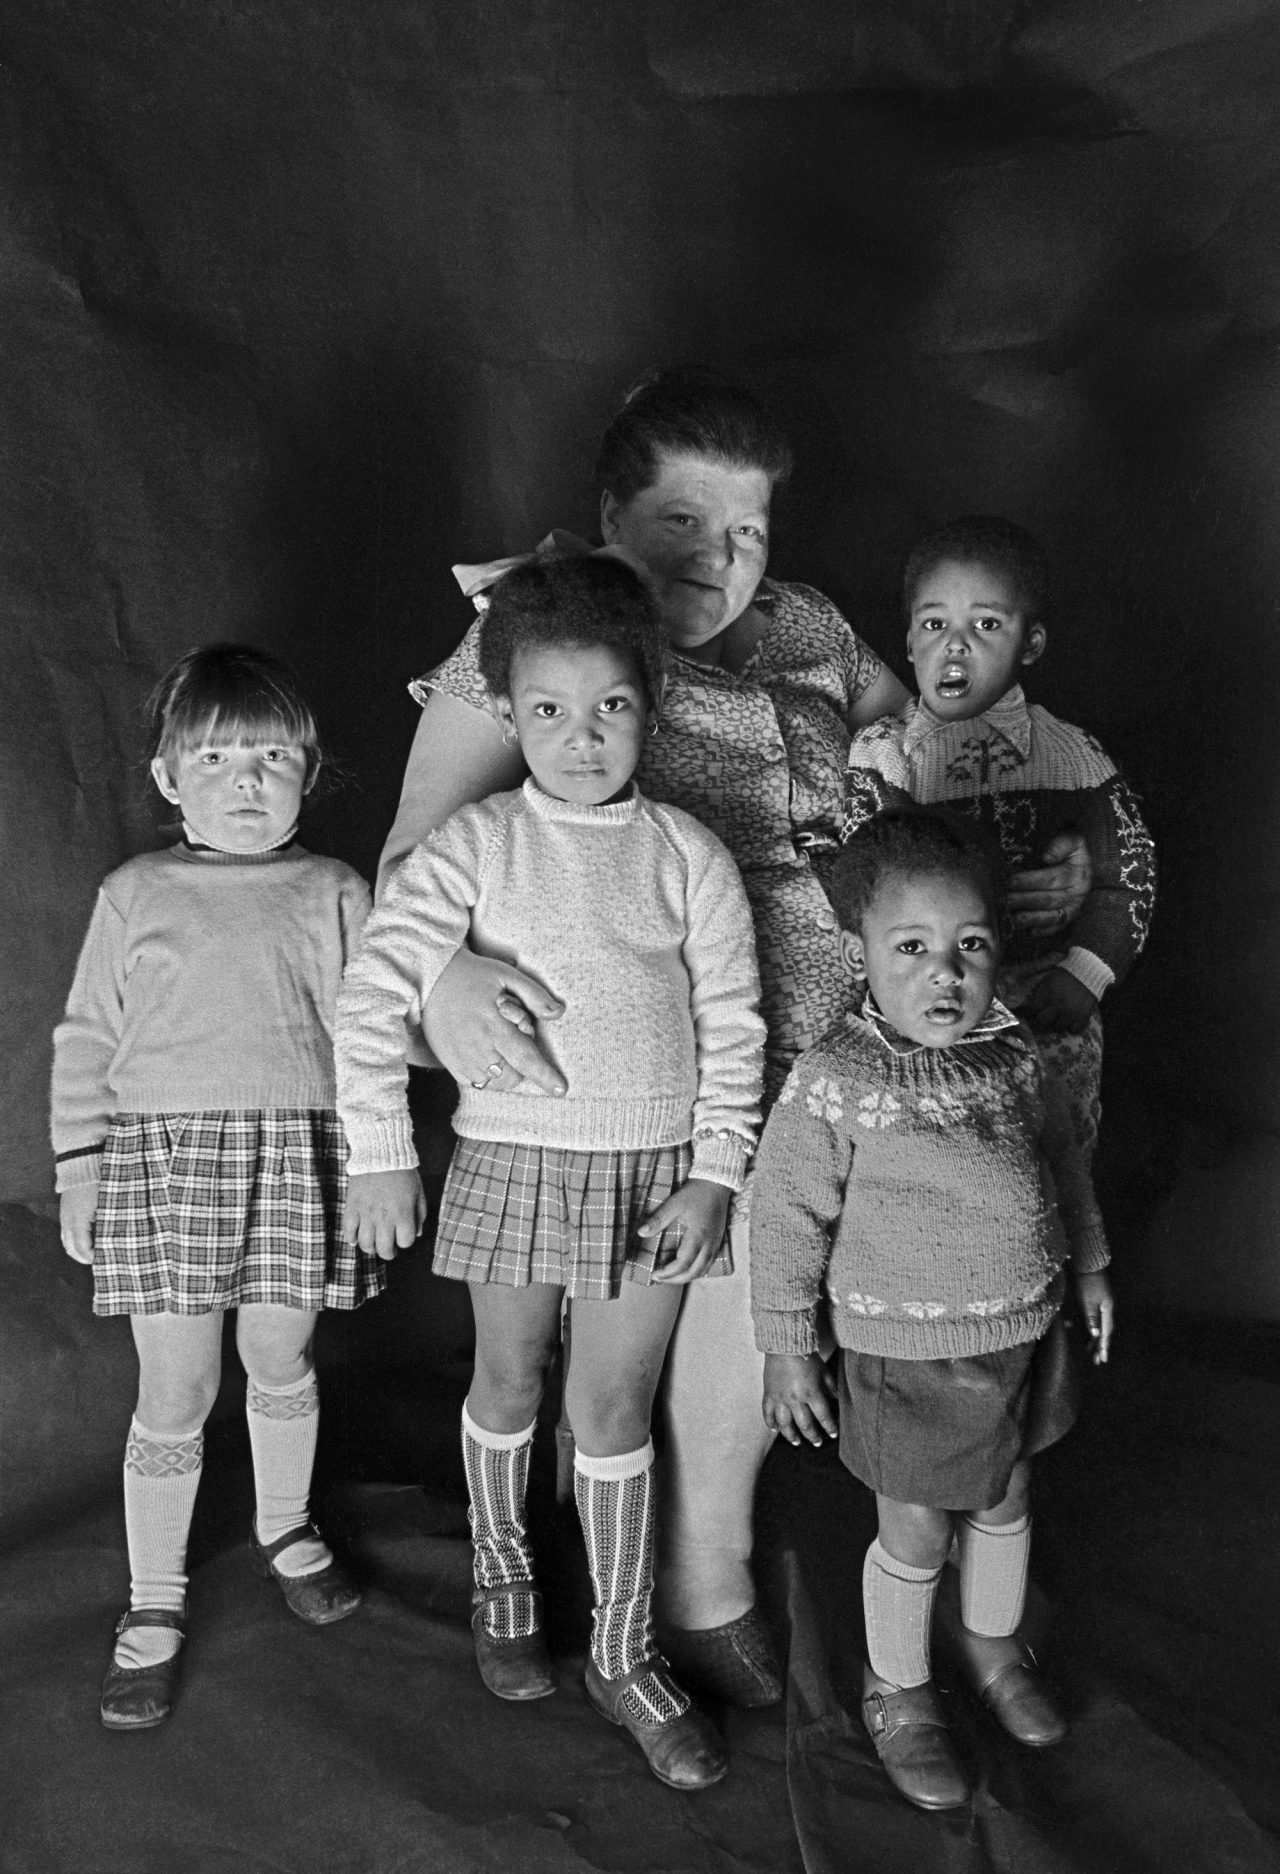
372,1746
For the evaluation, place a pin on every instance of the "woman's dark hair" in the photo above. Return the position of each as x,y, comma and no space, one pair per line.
590,599
684,411
912,843
1002,545
229,692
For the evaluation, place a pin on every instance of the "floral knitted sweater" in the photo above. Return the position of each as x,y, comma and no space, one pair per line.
634,915
914,1188
1028,776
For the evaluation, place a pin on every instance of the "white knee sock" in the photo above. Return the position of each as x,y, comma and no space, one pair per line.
283,1424
497,1467
615,1507
993,1575
898,1601
161,1477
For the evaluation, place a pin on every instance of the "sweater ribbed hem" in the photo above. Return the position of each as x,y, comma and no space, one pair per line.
203,1095
1089,970
84,1168
379,1144
570,1125
954,1337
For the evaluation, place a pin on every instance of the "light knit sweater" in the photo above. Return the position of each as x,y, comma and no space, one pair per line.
1027,775
908,1186
206,983
634,916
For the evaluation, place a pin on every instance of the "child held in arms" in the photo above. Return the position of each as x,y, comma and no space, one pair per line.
614,1195
976,595
919,1177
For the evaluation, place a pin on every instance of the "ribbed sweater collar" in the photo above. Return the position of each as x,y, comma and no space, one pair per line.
206,855
997,1018
569,813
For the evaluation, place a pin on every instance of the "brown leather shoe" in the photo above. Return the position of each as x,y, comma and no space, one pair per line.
1005,1675
134,1698
519,1668
683,1753
735,1663
321,1598
910,1736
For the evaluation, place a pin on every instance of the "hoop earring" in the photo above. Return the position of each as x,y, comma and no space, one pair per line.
510,738
654,726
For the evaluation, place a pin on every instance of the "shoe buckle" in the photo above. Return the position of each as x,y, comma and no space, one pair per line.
878,1717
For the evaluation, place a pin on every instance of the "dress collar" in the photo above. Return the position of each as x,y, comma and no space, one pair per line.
994,1022
1008,718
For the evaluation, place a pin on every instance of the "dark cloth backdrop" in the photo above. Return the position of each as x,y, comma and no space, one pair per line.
303,302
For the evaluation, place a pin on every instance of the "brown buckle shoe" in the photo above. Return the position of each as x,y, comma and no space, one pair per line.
910,1736
735,1663
683,1753
1004,1673
518,1668
320,1598
134,1698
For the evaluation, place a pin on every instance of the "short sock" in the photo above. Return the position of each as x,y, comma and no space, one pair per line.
284,1422
994,1559
898,1601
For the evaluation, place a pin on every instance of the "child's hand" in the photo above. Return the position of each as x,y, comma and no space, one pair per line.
699,1210
1097,1305
385,1211
1060,1004
76,1211
1051,897
798,1391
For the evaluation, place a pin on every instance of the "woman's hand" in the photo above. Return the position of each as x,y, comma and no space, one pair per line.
480,1015
1098,1307
385,1211
1050,898
699,1210
798,1391
76,1211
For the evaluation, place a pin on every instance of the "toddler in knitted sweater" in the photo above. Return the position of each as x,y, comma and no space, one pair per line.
614,1194
976,595
920,1177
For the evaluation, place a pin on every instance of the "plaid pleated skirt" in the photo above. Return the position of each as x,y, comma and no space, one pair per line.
519,1214
200,1212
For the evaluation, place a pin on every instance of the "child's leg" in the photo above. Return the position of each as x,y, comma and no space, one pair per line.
995,1549
180,1363
516,1335
899,1585
284,1419
618,1350
899,1706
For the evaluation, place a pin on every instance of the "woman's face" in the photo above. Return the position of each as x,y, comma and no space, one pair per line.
701,530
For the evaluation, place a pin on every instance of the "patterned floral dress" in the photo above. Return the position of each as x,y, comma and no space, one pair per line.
759,757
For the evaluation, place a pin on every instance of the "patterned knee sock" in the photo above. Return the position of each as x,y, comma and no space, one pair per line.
615,1507
898,1601
161,1477
497,1466
993,1575
283,1424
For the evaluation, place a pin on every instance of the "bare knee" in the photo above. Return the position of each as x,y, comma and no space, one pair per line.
174,1403
913,1533
1015,1504
510,1380
275,1345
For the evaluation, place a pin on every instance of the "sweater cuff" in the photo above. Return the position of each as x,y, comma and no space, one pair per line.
1089,1251
380,1145
78,1168
1088,969
721,1158
786,1330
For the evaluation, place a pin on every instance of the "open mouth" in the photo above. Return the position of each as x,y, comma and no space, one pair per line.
945,1013
952,682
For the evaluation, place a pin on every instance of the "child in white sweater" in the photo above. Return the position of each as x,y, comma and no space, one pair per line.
200,1161
615,1194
